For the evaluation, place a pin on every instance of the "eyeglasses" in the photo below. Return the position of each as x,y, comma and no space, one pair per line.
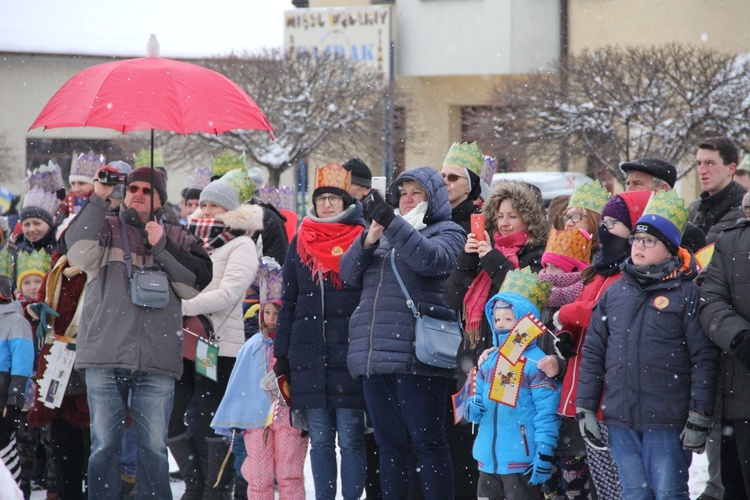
609,223
575,217
452,177
333,199
647,242
134,189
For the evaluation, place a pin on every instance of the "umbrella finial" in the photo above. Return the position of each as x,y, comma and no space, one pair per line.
152,47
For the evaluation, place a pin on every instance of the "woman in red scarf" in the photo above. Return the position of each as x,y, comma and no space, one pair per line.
515,238
312,335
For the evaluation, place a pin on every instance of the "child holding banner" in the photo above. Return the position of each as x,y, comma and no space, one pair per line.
515,404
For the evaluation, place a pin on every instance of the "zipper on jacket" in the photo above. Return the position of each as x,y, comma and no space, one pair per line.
374,310
525,441
495,465
322,305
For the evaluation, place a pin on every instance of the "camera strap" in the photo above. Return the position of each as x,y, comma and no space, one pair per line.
126,245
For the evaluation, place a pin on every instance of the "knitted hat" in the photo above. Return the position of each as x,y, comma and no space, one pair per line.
143,174
143,158
47,177
489,165
83,167
526,283
27,263
665,218
361,173
627,207
123,168
226,162
569,249
656,167
39,203
255,174
222,194
591,196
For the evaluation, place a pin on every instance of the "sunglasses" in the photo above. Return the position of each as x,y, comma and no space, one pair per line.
134,189
575,217
452,177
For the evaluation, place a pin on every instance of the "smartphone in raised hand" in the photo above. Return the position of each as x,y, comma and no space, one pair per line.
477,226
378,184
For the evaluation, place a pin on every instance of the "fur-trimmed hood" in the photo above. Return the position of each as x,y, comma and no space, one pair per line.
528,204
245,217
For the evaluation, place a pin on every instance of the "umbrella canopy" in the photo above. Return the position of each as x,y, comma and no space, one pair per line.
152,93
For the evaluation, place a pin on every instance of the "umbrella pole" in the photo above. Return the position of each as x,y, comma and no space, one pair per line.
151,214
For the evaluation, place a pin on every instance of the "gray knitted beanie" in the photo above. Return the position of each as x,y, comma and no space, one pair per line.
222,194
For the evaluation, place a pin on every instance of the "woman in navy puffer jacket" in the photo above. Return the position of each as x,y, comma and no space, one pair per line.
405,398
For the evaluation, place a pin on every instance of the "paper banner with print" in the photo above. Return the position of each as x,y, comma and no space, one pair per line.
59,367
523,333
462,396
506,381
206,359
703,256
285,392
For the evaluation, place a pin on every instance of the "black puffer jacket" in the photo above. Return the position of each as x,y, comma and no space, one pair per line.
713,214
724,312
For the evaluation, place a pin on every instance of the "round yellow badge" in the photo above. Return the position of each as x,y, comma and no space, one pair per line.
661,302
337,251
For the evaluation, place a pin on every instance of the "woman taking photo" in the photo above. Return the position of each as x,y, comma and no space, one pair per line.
312,335
406,399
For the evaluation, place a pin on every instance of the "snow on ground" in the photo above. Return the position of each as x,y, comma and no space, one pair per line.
698,476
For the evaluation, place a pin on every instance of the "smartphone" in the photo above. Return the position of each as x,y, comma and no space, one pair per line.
477,226
378,184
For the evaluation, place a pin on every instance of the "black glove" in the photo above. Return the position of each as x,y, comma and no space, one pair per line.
13,415
380,211
693,436
741,348
564,345
282,366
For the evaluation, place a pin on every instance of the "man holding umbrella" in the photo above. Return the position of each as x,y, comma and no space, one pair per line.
127,344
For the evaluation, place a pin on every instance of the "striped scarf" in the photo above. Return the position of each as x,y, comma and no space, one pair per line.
212,232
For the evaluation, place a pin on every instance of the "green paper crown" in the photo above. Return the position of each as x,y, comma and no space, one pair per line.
465,155
526,283
226,162
591,196
669,205
6,263
143,158
36,262
241,183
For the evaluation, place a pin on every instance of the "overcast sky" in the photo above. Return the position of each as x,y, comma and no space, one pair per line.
184,28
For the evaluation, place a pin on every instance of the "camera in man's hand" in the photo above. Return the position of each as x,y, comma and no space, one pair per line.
111,178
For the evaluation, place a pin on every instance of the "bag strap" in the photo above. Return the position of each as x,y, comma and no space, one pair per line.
409,302
126,245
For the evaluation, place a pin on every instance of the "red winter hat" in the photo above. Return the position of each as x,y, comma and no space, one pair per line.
627,207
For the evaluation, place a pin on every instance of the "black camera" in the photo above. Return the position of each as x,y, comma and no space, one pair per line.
111,178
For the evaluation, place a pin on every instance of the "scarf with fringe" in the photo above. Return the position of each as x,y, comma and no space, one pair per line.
320,246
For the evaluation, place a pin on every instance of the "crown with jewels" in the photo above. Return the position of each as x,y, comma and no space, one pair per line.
47,177
569,243
241,183
591,196
467,155
333,175
37,262
6,263
269,275
83,167
143,158
666,206
200,179
226,162
38,197
526,283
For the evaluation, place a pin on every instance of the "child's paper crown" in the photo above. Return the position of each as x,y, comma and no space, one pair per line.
83,167
269,274
37,262
143,158
591,196
226,162
526,283
47,177
467,155
333,175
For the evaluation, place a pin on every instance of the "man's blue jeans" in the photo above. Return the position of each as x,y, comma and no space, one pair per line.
652,464
408,414
151,404
324,425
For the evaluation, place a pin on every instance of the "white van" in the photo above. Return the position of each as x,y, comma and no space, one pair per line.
551,184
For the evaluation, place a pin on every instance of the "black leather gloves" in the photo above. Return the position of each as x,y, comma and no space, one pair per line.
380,211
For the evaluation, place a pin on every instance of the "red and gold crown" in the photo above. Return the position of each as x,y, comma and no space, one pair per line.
571,243
333,175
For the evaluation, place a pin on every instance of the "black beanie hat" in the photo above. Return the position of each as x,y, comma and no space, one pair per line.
361,173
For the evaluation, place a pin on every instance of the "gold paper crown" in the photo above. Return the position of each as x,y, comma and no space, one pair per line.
241,183
36,262
526,283
668,205
226,162
591,196
143,158
6,263
333,175
570,243
465,155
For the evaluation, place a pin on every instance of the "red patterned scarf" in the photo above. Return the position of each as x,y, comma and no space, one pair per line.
479,291
320,246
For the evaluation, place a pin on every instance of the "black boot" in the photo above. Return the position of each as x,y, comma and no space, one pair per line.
186,455
240,488
218,469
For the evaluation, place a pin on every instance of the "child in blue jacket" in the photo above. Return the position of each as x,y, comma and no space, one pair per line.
516,408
